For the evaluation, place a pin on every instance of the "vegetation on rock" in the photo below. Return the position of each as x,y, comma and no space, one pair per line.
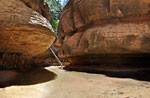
56,7
55,11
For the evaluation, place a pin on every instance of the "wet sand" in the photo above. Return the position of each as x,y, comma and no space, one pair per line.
71,84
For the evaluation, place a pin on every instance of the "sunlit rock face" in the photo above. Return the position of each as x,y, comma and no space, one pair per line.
90,30
25,35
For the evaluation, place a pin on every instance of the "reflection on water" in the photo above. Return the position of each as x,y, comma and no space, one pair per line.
9,78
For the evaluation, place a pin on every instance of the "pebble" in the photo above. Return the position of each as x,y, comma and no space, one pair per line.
121,93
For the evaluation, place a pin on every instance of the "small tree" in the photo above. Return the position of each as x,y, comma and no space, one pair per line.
55,12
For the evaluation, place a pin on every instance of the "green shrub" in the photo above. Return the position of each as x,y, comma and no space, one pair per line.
55,12
54,23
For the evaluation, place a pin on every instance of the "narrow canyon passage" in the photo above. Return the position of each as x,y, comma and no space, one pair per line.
71,84
103,44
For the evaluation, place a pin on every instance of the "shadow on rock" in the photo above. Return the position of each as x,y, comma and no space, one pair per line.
140,74
9,78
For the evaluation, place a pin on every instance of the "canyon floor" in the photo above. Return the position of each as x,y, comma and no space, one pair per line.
53,82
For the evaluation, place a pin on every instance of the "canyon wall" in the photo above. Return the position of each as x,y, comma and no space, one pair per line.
91,30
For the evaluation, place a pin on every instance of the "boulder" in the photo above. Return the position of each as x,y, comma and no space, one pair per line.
25,36
105,31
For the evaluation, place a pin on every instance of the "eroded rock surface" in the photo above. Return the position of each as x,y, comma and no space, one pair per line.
25,35
39,6
92,29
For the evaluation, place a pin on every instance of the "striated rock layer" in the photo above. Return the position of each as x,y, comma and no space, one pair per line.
25,36
102,31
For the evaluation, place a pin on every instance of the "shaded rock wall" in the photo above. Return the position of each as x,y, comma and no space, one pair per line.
39,6
101,27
